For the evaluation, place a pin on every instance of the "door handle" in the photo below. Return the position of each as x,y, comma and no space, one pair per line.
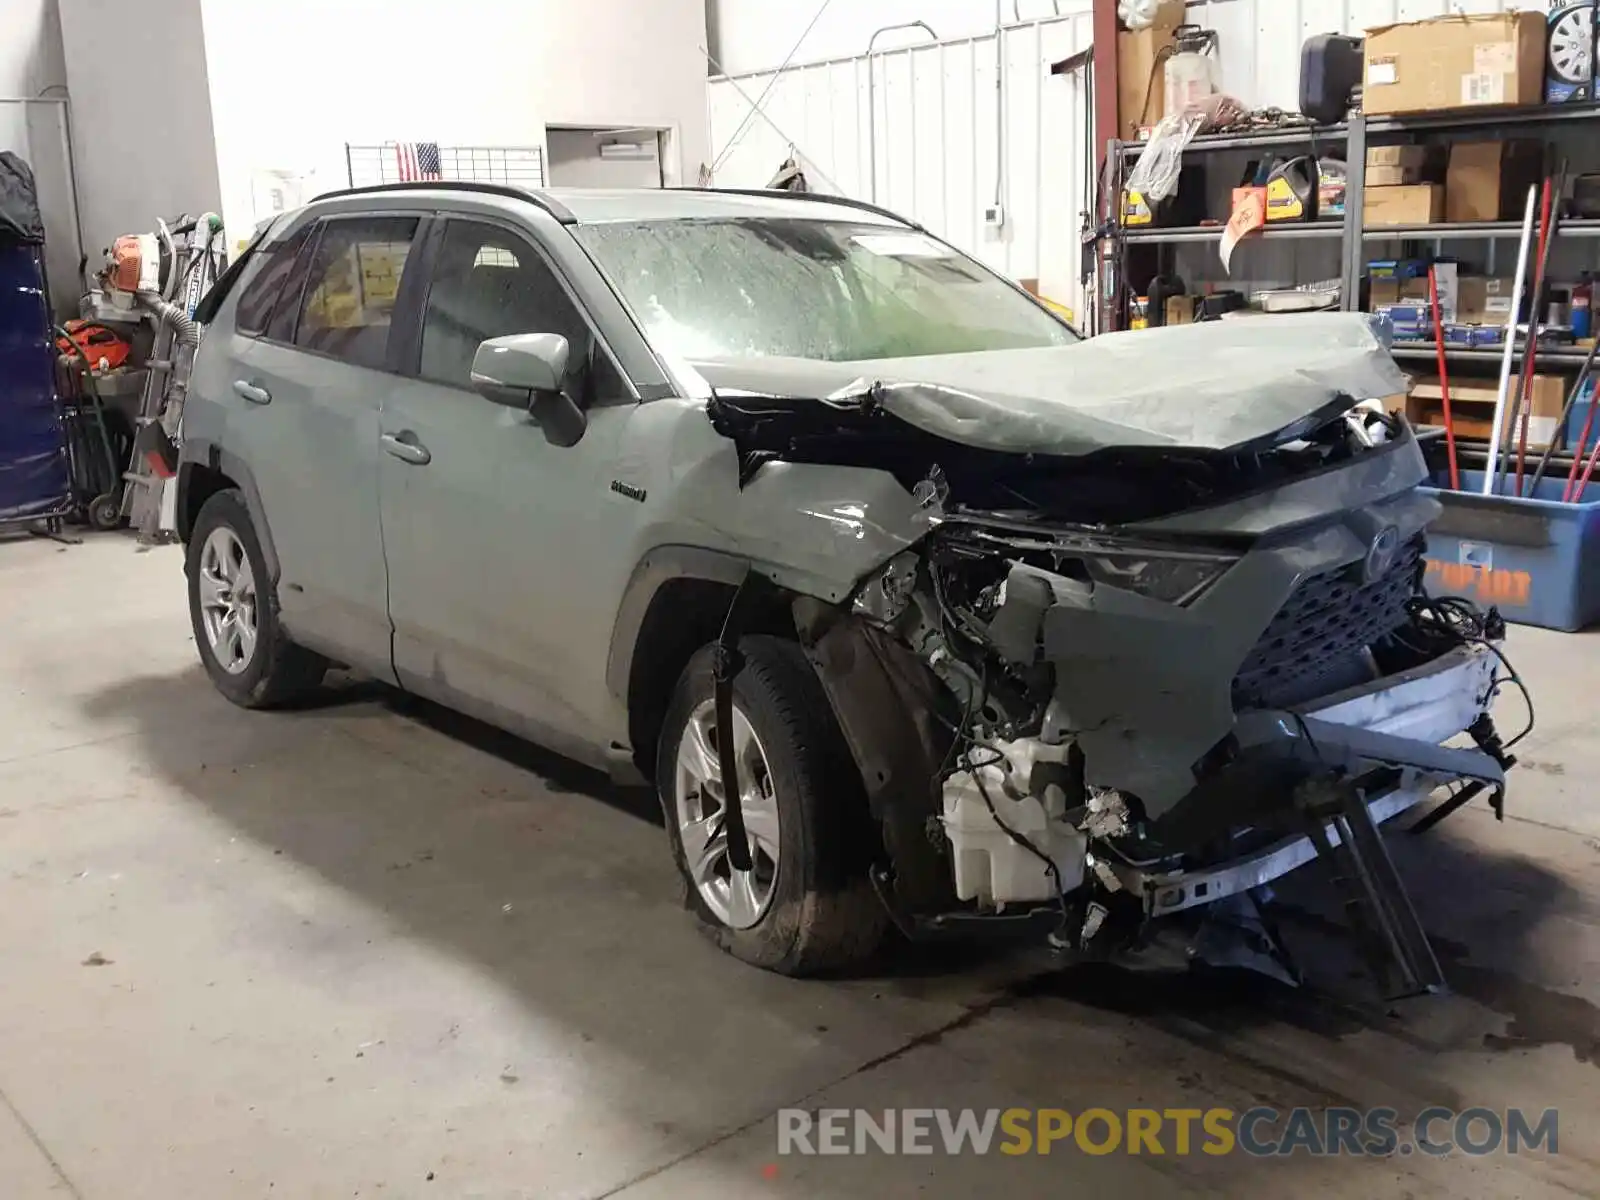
252,392
406,448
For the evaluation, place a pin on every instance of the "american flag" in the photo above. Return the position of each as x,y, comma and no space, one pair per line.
418,160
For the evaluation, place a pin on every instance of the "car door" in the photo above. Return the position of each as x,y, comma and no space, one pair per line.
312,384
487,526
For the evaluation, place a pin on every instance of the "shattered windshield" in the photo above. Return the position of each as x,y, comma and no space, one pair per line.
836,291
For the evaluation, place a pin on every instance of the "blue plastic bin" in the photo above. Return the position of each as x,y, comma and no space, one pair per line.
1536,560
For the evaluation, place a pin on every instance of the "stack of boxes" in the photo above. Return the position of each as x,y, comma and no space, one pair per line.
1403,187
1468,181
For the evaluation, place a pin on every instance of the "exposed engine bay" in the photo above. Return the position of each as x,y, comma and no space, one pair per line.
1110,688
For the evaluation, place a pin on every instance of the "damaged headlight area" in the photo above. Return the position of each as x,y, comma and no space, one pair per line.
1176,581
1111,738
1174,575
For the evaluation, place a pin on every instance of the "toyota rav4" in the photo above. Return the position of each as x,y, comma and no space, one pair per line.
917,609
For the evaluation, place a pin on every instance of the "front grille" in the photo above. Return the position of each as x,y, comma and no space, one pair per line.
1313,645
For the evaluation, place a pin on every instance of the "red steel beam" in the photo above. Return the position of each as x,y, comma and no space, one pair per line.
1105,75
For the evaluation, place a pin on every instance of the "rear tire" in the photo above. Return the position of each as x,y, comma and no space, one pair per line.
233,607
814,908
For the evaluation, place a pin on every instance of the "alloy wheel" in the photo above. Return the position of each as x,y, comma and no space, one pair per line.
229,609
737,898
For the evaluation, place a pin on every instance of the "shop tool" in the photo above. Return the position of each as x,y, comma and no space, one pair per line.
1444,378
1578,386
1504,393
1521,408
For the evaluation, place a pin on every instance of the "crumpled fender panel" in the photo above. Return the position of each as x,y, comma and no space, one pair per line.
886,702
814,528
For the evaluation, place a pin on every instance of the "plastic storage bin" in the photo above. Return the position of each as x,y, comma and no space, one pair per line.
1537,560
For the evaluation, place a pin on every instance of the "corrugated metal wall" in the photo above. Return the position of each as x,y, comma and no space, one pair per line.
933,134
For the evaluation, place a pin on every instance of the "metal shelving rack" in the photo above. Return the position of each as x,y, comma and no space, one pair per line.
1354,136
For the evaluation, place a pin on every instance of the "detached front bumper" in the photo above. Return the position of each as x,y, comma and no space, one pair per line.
1398,722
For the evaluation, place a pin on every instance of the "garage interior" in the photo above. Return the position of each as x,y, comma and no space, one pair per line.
368,946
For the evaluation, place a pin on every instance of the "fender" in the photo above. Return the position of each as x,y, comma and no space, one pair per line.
659,566
201,452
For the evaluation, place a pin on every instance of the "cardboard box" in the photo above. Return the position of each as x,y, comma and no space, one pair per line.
1400,291
1181,309
1393,176
1141,71
1483,301
1489,181
1413,204
1392,166
1398,156
1479,61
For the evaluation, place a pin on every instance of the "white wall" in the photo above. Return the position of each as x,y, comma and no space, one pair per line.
933,115
30,51
293,80
141,115
33,78
755,35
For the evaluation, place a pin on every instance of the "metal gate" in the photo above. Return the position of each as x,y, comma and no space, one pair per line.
943,132
396,162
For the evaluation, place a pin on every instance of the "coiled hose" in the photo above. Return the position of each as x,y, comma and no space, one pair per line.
184,327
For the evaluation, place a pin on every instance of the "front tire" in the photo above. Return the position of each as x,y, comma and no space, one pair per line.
806,906
233,607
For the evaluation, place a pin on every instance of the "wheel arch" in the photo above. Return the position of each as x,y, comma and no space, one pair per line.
205,469
677,601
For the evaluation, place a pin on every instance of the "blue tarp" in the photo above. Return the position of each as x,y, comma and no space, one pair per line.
35,477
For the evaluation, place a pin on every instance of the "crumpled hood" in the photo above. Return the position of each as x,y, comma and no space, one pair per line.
1216,386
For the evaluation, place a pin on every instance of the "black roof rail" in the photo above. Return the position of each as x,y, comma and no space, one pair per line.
819,197
557,210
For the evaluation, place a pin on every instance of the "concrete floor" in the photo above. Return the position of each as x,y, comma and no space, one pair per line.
374,950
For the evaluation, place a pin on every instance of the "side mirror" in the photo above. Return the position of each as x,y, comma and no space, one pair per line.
528,370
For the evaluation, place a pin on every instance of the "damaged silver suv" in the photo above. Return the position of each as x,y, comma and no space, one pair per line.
918,610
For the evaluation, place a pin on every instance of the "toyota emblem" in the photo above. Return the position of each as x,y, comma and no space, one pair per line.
1380,555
